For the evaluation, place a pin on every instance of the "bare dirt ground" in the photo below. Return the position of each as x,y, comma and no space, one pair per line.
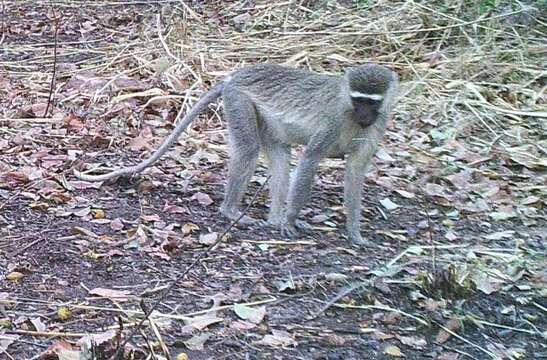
453,207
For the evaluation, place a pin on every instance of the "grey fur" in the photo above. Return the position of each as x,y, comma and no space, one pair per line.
271,107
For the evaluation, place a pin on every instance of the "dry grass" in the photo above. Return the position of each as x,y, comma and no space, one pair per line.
469,74
478,72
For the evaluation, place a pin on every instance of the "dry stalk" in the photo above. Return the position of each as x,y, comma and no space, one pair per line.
54,72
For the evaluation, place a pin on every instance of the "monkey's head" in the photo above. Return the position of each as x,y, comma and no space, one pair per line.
368,89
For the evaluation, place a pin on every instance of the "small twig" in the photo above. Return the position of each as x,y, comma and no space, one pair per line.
430,233
189,10
163,346
4,351
2,22
468,342
537,114
543,308
506,327
47,333
168,51
345,292
281,242
396,258
148,344
54,74
162,40
171,286
25,248
383,308
31,120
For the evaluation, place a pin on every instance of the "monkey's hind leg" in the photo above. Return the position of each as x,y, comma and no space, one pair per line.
278,156
241,118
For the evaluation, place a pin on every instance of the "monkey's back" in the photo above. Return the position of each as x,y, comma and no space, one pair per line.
277,93
284,83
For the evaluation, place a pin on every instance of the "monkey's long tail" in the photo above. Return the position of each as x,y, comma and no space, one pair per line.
202,103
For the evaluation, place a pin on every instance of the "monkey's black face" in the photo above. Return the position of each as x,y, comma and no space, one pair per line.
366,110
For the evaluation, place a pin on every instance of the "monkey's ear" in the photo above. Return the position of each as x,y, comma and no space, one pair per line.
348,71
394,76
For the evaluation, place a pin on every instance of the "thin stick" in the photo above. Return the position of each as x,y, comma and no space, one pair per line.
489,353
506,327
32,120
384,308
47,333
430,233
2,22
54,74
5,351
281,242
341,295
538,114
25,248
157,333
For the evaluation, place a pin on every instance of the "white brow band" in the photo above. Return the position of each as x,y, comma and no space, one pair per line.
357,94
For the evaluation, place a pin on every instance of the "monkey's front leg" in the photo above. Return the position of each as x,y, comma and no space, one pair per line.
356,166
300,187
299,192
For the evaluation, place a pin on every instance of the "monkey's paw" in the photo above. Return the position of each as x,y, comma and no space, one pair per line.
303,225
292,230
242,220
250,221
356,239
288,230
276,222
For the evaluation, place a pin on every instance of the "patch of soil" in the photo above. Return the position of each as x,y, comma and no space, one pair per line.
62,268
